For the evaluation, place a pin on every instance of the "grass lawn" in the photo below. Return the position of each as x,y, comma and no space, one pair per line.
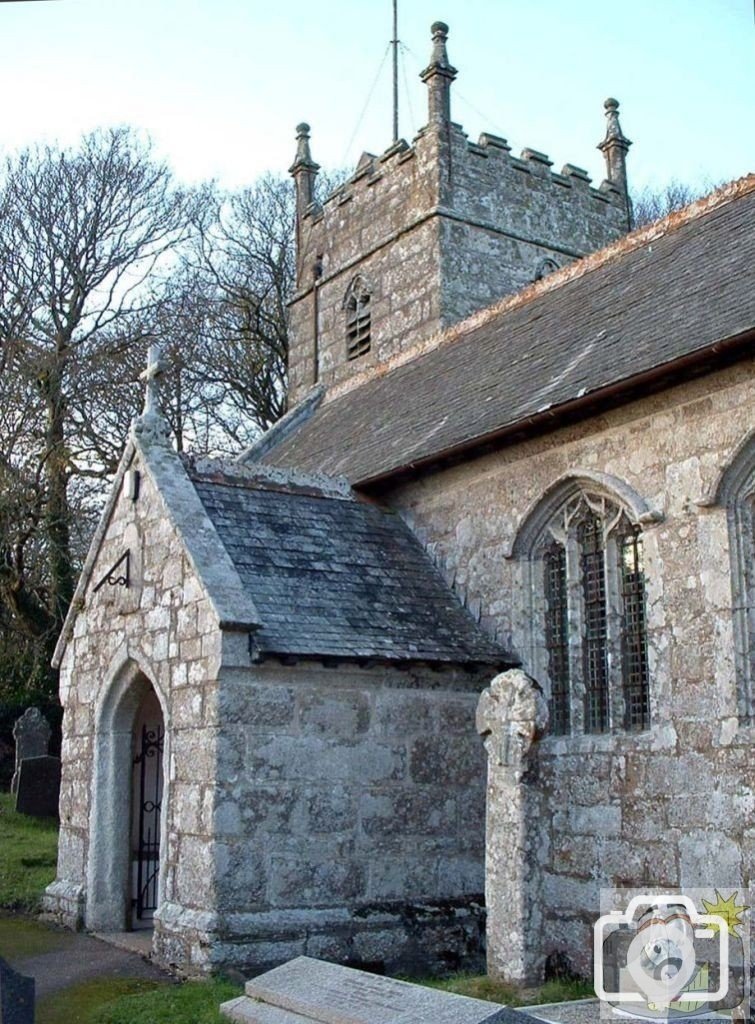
22,937
196,1002
193,1002
82,1004
30,848
480,986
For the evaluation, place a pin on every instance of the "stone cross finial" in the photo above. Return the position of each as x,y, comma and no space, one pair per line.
614,147
438,76
151,425
153,371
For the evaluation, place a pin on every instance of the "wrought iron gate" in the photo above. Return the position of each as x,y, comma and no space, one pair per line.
150,766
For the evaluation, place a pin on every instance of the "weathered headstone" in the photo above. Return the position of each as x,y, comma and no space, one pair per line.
307,990
39,787
32,735
16,996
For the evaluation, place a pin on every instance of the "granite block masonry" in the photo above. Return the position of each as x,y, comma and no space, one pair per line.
566,480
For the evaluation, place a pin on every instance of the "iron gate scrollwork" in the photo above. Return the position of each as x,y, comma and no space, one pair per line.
150,756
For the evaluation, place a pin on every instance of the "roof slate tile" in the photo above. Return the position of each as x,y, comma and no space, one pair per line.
340,578
659,300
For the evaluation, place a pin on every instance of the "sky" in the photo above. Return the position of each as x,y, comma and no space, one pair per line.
219,85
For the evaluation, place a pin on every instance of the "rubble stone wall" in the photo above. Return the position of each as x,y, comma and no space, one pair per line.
509,219
348,821
672,805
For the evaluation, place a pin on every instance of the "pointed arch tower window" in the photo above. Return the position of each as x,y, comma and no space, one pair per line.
585,561
357,305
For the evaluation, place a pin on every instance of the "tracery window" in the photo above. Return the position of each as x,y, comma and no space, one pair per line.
591,579
747,519
356,303
736,491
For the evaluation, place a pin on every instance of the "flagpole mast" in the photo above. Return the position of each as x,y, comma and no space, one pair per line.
394,43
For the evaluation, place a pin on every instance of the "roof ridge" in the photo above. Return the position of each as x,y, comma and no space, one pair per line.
240,474
573,271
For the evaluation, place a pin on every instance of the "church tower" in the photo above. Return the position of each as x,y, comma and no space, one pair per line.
423,236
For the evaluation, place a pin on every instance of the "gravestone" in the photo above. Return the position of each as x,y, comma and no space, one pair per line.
32,735
308,991
39,787
16,996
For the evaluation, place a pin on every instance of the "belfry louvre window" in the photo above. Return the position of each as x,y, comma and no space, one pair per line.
594,632
358,319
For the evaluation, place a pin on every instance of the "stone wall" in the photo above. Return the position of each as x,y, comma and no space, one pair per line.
438,231
670,805
503,216
160,629
329,810
348,822
379,225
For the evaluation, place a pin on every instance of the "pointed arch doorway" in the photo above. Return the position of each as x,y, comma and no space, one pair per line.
129,803
146,806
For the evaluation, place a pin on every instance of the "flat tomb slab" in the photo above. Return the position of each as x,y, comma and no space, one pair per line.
305,990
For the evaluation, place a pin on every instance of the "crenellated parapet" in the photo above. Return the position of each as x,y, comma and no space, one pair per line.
433,231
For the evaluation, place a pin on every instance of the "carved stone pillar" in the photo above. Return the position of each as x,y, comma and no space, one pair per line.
511,716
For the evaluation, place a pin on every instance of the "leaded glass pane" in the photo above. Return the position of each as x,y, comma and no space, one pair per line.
634,632
557,637
595,639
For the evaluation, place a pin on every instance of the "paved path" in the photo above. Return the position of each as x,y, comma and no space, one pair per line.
65,959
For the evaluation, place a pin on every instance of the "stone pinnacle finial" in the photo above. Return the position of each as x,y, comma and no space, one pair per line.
614,147
439,56
613,128
438,76
303,154
304,172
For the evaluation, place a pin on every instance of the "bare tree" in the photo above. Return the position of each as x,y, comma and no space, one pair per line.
101,254
81,231
651,204
244,268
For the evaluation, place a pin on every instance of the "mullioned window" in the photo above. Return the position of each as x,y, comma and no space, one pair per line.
586,572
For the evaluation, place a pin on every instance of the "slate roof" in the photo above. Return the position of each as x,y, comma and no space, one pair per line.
665,294
333,576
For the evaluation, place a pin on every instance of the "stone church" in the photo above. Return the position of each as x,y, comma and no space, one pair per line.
517,436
